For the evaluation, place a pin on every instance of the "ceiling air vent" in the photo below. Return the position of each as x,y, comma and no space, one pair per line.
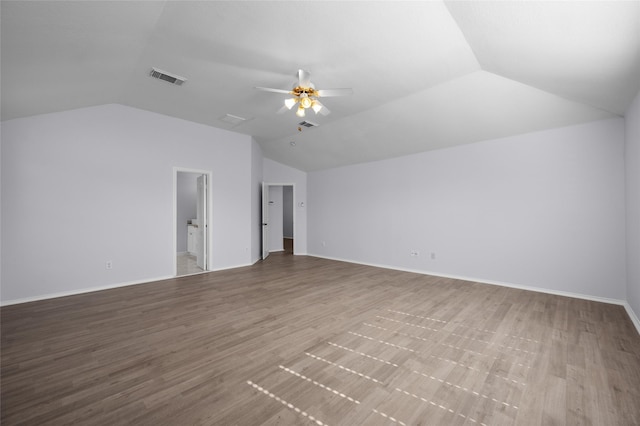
168,77
233,119
306,123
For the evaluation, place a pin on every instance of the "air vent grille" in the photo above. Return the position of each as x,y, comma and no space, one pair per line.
233,119
306,123
168,77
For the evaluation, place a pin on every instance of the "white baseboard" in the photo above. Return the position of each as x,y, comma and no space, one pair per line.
484,281
80,291
288,238
276,251
224,268
104,287
624,303
632,315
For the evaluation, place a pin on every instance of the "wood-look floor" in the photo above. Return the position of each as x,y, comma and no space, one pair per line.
301,340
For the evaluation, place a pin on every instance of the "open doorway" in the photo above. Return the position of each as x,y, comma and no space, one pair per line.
278,218
191,221
287,218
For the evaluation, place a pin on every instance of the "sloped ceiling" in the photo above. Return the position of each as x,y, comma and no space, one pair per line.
425,75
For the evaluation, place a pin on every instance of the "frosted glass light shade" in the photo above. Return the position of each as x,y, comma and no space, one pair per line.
289,103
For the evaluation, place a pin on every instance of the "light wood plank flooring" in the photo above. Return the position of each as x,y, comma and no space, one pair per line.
297,340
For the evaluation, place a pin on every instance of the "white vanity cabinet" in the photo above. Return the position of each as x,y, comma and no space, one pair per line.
191,239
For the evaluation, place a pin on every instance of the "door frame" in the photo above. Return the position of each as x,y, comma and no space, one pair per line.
265,203
208,217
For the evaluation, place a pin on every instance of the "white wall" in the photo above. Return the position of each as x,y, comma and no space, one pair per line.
256,205
275,172
632,167
543,210
1,222
275,219
86,186
186,206
287,211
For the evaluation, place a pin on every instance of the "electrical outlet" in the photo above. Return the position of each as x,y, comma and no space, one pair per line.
433,256
108,264
324,244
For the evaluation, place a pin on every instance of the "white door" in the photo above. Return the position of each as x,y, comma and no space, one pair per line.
265,220
201,215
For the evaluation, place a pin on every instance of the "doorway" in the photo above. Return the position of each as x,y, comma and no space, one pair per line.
278,218
191,221
287,218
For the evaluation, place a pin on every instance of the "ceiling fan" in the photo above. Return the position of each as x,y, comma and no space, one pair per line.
306,96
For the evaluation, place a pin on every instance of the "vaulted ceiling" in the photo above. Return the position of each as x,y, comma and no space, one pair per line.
425,75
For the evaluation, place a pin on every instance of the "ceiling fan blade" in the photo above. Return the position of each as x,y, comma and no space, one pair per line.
323,109
325,93
304,78
283,110
268,89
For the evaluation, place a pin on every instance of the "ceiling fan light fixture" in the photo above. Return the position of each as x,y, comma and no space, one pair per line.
305,101
304,94
289,103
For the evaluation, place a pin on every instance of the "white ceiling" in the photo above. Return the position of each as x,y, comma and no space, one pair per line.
426,75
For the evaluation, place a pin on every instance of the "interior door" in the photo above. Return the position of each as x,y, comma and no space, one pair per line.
265,220
201,215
